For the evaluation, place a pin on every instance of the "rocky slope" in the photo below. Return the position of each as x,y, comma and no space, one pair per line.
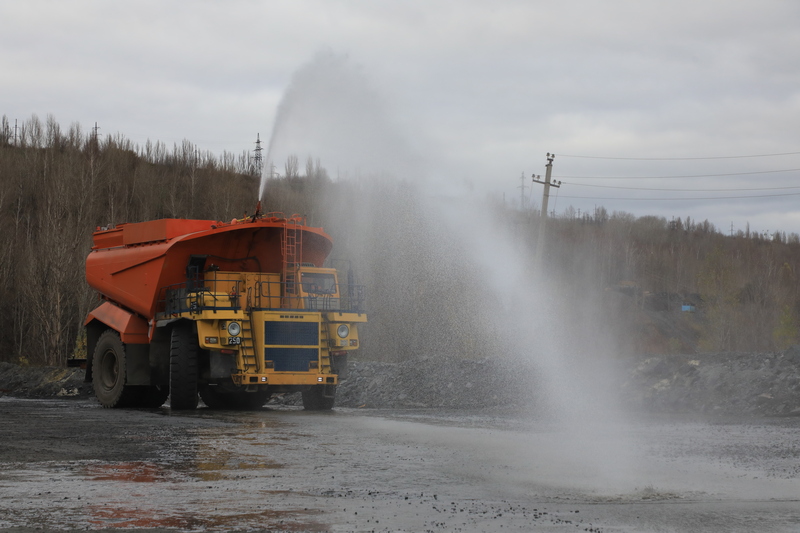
724,383
42,382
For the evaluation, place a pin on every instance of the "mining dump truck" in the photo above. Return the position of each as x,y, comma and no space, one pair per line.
230,312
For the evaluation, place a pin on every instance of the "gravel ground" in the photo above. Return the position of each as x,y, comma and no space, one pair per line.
723,383
70,465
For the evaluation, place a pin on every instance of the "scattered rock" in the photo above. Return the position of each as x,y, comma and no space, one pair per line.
446,382
766,384
720,383
43,382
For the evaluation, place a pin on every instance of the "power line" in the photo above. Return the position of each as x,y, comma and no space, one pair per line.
679,190
679,177
679,158
684,198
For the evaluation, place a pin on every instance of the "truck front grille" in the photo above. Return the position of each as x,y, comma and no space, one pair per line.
291,359
291,333
291,346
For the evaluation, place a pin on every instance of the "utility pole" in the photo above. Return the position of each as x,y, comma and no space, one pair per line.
546,195
547,183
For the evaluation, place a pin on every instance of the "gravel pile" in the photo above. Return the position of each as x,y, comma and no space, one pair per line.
433,382
724,383
43,382
428,382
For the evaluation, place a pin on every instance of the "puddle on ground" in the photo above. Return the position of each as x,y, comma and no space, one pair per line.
133,472
121,517
294,471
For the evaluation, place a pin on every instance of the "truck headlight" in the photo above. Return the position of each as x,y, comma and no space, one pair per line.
343,330
234,329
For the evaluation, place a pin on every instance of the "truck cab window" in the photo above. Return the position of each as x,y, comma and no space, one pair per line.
318,283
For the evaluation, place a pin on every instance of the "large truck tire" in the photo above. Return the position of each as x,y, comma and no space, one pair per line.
251,401
154,396
239,401
319,397
212,398
183,366
109,370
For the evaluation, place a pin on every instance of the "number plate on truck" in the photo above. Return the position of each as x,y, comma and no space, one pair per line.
234,340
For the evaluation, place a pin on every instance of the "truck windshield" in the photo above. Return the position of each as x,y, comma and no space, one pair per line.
318,283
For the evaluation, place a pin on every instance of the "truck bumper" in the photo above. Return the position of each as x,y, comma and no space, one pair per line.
287,378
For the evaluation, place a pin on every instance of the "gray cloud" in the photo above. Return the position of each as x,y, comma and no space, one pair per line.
480,91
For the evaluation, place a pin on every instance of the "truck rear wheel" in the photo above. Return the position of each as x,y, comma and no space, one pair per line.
319,397
109,370
183,366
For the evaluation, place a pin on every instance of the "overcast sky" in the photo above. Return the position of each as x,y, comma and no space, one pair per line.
463,92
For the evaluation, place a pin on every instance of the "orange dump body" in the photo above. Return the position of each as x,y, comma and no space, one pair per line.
132,263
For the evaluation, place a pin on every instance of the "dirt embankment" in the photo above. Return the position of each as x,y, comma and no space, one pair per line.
42,382
724,383
765,384
721,383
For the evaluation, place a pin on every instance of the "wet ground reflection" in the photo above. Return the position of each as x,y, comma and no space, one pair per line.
353,470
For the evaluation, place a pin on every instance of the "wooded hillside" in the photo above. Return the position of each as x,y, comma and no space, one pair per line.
716,292
57,185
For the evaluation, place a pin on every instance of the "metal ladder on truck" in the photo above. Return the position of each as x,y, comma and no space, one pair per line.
292,249
325,354
247,349
328,391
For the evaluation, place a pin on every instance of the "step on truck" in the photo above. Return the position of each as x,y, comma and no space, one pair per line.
230,312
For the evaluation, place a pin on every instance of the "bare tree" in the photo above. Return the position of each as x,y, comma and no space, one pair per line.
292,167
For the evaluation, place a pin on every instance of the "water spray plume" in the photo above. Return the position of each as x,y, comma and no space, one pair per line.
331,111
439,264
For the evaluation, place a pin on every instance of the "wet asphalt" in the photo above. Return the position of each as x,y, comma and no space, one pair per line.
70,465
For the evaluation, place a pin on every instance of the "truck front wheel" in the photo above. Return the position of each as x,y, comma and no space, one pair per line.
109,370
318,397
242,401
183,366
